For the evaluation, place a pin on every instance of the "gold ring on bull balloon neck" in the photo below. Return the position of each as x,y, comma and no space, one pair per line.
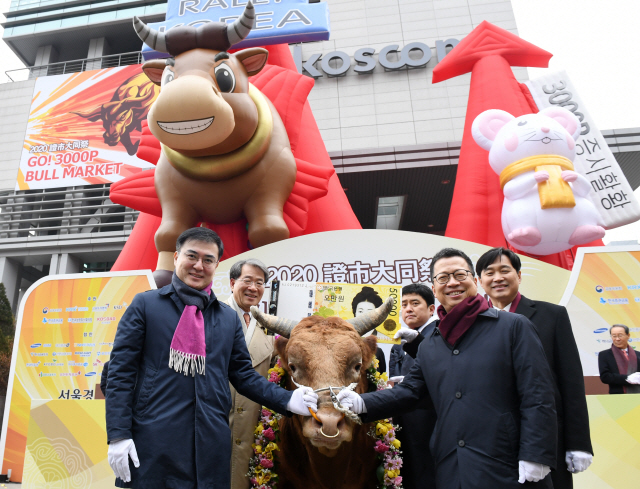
327,436
222,167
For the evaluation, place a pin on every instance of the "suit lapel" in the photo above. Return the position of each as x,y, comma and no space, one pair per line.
526,307
260,348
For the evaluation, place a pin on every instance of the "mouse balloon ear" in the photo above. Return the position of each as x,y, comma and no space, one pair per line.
565,118
485,127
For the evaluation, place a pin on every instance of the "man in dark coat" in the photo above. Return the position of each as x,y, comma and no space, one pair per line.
619,366
490,384
175,352
500,277
418,469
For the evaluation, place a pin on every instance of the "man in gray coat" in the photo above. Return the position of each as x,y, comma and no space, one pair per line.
175,352
491,386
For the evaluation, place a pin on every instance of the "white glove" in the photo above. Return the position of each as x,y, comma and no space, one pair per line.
118,456
634,378
406,335
397,379
302,399
352,400
578,461
531,471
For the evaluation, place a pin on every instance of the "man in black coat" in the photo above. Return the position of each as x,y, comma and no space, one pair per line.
490,384
418,469
176,350
500,277
619,365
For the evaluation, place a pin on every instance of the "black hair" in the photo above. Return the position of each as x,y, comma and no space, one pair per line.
422,290
236,269
626,328
450,253
490,257
204,235
367,294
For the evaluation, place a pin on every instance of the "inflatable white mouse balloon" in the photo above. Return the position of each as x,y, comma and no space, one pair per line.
545,207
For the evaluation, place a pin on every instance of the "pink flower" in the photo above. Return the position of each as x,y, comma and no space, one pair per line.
398,480
266,413
381,447
269,434
266,463
254,481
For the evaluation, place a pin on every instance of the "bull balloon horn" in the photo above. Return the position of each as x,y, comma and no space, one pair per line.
371,320
151,37
240,29
275,324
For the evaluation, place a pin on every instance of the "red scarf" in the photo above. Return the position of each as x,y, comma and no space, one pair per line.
626,366
458,320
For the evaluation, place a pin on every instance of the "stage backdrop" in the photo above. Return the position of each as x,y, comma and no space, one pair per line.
604,289
64,333
84,128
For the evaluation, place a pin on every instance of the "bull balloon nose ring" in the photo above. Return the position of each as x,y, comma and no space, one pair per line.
327,436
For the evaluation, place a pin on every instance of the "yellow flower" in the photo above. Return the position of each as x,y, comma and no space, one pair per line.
392,474
377,375
384,377
257,448
396,444
259,429
263,478
271,447
273,422
376,362
382,428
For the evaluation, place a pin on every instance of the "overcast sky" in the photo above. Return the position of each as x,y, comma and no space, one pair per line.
595,41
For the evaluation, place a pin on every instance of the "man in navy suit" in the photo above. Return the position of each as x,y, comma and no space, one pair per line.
418,306
500,277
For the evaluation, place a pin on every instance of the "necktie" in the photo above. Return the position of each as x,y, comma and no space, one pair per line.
626,355
247,319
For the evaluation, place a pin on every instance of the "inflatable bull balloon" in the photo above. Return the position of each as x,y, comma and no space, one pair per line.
545,209
225,151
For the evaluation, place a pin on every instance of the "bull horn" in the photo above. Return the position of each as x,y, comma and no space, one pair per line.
240,29
371,320
152,38
275,324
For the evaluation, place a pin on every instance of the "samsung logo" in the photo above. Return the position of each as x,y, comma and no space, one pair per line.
89,374
36,345
601,330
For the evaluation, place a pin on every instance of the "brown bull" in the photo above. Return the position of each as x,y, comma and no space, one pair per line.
331,452
126,110
225,151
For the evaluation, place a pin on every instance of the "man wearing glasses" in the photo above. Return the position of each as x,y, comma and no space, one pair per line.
248,278
487,376
176,351
619,365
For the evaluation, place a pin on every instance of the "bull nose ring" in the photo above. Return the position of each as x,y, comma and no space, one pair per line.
327,436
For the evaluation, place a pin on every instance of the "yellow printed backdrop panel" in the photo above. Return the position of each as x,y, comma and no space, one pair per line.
607,292
67,446
615,435
65,332
350,300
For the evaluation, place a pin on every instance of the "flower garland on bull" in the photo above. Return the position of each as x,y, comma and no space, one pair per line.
262,466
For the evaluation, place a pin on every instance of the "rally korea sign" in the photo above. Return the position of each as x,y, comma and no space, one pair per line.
277,21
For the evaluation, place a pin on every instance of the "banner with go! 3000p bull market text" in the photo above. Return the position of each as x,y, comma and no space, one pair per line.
84,128
64,333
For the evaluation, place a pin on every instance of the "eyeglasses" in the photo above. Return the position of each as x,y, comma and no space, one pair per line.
206,261
444,277
618,336
248,282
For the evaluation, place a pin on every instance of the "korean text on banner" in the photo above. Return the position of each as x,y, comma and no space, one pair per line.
64,334
611,193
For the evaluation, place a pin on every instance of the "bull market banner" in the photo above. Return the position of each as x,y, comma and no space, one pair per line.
84,128
54,426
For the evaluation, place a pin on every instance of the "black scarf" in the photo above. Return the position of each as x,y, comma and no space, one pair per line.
190,296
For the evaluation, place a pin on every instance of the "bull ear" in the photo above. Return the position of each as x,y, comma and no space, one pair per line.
253,59
281,346
371,345
93,114
154,69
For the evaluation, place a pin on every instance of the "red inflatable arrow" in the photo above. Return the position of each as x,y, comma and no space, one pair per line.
488,53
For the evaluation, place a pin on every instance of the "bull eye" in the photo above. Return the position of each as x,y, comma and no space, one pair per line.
225,78
167,77
358,367
293,368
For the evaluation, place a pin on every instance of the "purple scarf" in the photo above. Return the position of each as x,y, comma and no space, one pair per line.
458,320
188,349
626,367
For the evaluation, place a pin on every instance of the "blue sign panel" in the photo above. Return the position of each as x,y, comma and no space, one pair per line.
277,21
